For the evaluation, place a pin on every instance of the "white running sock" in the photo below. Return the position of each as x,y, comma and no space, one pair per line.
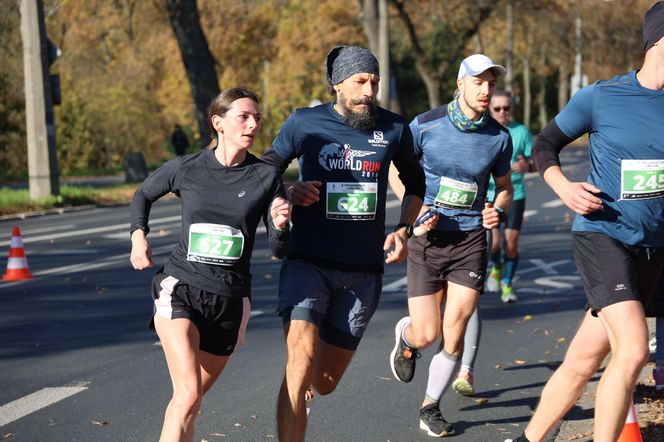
442,370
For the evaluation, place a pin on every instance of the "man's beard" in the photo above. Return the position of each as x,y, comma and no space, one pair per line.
362,119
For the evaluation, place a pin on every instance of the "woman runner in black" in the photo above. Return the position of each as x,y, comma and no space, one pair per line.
201,296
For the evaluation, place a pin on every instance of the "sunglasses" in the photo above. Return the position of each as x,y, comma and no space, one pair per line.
502,108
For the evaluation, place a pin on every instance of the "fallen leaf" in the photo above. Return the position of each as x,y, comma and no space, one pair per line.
547,332
481,400
99,423
384,378
519,362
253,416
237,424
562,339
218,434
527,318
7,435
497,366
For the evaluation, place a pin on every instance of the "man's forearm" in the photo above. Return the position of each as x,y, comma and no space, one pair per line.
504,197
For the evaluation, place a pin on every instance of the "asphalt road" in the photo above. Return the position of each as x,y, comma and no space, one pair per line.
78,362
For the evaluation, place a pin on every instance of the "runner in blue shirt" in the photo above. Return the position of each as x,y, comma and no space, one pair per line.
617,235
461,146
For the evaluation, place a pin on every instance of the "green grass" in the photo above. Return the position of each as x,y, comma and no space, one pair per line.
13,201
16,201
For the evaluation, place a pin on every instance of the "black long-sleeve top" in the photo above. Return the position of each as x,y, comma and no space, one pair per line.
221,209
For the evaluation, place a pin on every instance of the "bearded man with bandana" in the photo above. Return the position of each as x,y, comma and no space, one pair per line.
460,146
331,281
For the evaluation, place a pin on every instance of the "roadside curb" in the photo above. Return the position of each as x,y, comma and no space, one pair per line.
54,211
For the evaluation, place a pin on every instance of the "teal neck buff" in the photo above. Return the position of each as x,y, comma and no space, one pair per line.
461,121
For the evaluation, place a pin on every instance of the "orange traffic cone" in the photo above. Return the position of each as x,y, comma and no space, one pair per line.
17,264
631,431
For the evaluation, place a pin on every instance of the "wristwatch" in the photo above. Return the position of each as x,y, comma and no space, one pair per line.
408,226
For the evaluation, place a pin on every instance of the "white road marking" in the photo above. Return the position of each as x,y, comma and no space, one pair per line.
557,283
47,229
38,400
124,227
397,286
528,213
73,268
125,235
69,252
553,203
547,268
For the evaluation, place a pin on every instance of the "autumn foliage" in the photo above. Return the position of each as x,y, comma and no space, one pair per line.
124,85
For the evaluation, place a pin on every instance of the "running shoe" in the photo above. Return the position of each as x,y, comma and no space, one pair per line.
464,383
433,422
403,357
508,295
493,282
658,374
308,398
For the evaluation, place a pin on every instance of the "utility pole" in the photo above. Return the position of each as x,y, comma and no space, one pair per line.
40,125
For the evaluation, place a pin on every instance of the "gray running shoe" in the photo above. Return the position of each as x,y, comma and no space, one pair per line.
433,423
403,357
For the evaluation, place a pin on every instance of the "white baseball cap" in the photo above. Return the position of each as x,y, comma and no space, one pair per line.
478,63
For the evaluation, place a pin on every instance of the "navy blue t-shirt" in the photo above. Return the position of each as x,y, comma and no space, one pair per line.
625,123
346,228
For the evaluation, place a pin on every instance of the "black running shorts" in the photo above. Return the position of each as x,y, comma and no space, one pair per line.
613,272
217,317
439,256
515,214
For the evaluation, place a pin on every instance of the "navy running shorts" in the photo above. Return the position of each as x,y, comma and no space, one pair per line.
217,317
340,303
613,272
439,256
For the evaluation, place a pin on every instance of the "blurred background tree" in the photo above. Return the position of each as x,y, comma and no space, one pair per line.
125,85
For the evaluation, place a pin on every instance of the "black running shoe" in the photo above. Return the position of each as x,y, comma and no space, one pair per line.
403,357
433,423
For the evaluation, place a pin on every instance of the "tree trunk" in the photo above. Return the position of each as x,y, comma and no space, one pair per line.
563,86
541,105
375,19
197,59
509,50
527,99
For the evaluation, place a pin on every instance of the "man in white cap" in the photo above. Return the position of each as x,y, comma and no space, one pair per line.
460,146
330,284
617,235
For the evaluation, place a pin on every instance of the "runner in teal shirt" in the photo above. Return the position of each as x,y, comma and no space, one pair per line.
505,260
